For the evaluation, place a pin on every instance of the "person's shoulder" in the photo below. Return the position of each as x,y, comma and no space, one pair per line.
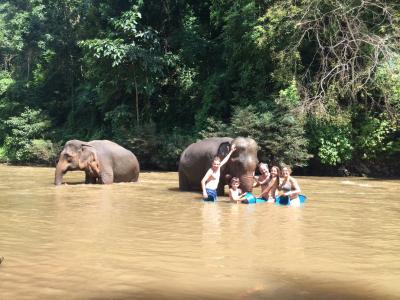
208,174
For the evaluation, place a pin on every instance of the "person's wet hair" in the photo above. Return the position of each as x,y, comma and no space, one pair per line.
278,174
235,180
262,164
216,159
288,168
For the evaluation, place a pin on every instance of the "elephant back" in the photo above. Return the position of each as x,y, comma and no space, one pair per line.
111,148
122,161
196,159
203,151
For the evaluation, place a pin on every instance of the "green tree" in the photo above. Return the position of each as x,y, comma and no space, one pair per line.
128,59
24,141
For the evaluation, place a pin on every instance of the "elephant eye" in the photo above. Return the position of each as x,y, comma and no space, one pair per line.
68,157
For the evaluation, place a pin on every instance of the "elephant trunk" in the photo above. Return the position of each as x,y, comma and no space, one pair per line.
60,171
246,182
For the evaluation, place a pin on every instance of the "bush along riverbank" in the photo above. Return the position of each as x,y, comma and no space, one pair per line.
29,143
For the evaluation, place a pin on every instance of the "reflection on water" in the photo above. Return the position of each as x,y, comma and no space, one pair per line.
147,240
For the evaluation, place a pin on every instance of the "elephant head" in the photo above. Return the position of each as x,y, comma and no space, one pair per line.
242,163
77,155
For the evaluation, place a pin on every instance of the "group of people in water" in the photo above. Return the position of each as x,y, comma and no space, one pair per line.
274,182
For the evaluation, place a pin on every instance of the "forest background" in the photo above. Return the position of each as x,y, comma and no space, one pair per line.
315,82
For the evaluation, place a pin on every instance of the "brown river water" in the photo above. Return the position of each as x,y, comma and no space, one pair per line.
148,240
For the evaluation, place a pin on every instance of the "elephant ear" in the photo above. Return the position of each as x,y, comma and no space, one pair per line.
223,149
88,159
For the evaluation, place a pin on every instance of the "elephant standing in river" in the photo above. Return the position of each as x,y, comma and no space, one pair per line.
196,160
103,162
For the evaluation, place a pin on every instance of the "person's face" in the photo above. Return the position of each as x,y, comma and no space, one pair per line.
285,172
235,185
215,164
264,170
274,172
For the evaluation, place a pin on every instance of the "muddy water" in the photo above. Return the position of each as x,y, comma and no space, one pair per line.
150,241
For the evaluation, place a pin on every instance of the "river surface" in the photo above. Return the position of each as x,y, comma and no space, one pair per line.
148,240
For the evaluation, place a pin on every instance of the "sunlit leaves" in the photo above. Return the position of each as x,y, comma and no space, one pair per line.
331,138
128,22
375,136
388,80
116,50
21,131
5,81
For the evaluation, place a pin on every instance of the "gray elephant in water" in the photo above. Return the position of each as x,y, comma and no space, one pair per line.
196,159
103,162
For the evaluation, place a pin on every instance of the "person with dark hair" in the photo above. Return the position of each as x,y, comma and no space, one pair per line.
235,193
269,188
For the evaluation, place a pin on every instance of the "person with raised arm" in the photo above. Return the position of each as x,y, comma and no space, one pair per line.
210,181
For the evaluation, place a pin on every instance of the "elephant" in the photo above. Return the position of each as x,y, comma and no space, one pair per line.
196,159
103,162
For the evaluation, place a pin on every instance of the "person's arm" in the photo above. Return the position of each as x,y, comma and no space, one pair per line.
228,156
263,181
268,188
242,195
296,186
203,182
256,182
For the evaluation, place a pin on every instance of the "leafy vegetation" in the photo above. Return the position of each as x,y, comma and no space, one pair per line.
24,138
315,82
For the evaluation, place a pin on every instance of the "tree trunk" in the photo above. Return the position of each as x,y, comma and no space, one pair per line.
28,64
136,98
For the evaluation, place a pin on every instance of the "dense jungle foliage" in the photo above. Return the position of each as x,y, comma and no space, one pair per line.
315,82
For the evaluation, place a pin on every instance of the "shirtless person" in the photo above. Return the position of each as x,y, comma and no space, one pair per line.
263,179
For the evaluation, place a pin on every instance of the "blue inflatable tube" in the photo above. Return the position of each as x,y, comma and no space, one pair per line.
284,200
249,198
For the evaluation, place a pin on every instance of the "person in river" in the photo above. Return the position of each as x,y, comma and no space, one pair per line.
264,177
235,193
210,181
289,187
270,185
